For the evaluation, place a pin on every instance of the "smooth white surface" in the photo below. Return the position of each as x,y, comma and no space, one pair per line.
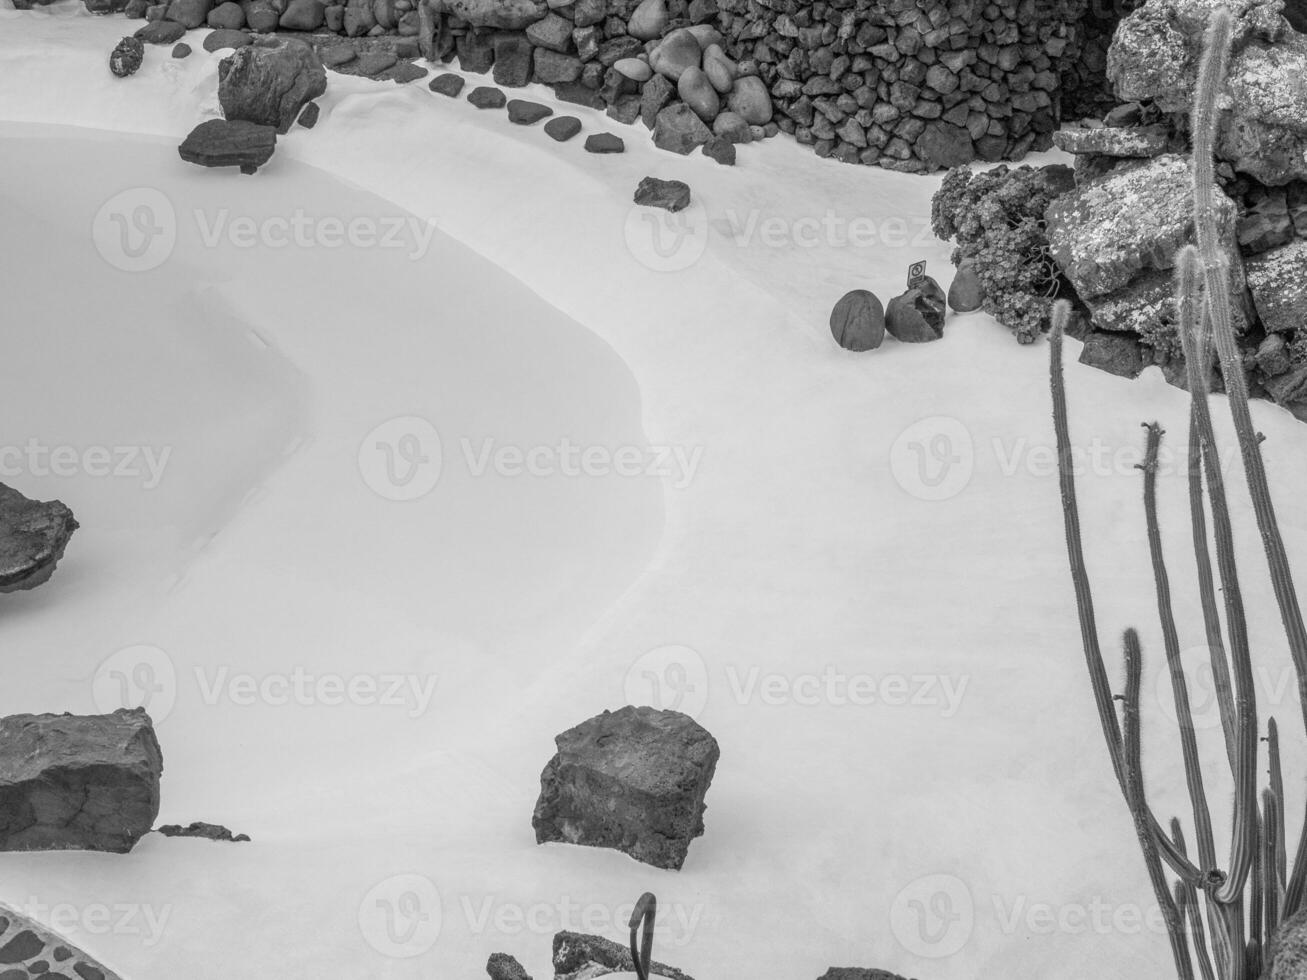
795,549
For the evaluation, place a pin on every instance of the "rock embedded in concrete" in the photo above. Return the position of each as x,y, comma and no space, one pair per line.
578,956
228,143
70,782
670,195
269,84
633,780
33,537
857,321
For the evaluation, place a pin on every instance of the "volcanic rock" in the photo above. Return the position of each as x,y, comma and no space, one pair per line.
70,782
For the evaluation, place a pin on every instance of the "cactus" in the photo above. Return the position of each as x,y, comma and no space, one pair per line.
1259,887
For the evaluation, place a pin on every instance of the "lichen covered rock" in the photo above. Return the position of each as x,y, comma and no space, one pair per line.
1278,280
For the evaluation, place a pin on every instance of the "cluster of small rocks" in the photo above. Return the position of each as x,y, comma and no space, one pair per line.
29,949
1115,235
859,321
524,112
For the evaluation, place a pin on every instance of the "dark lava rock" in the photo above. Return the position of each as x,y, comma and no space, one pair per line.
70,782
858,321
229,16
270,84
605,143
563,128
337,55
633,780
578,956
654,96
1114,352
527,113
309,115
513,60
218,40
720,149
487,97
209,831
447,84
965,293
126,57
670,195
578,94
856,973
501,966
181,51
917,316
678,129
33,536
228,143
161,32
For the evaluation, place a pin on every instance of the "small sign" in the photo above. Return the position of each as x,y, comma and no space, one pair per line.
916,274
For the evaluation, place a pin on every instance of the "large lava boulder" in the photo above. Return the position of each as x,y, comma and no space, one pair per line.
81,783
633,780
269,84
228,143
33,536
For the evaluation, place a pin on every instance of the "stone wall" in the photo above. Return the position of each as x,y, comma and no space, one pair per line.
28,949
911,85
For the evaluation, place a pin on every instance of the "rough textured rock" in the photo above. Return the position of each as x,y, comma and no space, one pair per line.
1116,353
670,195
126,57
917,315
1104,233
858,321
680,130
1114,141
578,956
269,84
208,831
1265,134
501,966
228,143
720,149
513,60
562,128
633,780
71,782
1278,281
508,15
33,536
857,973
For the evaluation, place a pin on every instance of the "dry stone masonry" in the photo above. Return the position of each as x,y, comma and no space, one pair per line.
911,85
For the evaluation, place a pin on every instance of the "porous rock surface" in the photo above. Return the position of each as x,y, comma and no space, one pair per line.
633,780
578,956
269,84
78,782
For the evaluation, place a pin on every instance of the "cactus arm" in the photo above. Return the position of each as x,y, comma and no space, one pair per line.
1148,837
1186,897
